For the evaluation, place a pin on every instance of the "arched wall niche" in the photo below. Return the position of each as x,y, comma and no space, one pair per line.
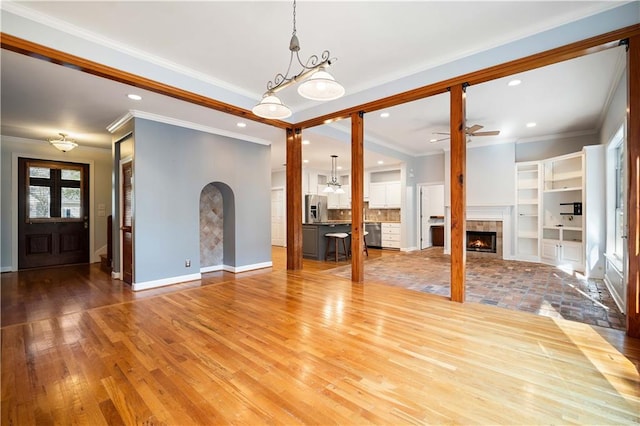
217,227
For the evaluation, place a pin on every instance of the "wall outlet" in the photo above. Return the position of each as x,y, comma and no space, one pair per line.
187,263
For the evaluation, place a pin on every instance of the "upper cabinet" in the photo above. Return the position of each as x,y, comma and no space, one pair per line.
385,190
385,195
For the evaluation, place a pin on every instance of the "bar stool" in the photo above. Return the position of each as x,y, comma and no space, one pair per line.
335,237
364,238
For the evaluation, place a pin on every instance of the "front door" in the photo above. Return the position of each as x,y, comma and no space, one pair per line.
53,213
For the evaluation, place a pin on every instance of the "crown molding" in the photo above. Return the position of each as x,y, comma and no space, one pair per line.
182,123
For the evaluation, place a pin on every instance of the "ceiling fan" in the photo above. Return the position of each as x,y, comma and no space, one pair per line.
470,131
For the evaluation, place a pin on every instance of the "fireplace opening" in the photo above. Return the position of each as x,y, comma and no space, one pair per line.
481,241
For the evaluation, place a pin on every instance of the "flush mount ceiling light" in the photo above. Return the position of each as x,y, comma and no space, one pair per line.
333,185
317,83
63,144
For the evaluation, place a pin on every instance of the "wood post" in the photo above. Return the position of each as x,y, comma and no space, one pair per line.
357,197
294,199
633,186
458,192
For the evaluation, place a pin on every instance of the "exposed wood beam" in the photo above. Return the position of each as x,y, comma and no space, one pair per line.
357,197
294,199
633,184
458,192
39,51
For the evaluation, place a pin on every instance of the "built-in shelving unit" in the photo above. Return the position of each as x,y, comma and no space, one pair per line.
528,182
556,200
562,239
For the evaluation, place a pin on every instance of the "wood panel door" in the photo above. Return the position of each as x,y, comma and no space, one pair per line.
126,225
53,213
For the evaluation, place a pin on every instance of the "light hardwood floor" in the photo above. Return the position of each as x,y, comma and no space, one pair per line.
303,347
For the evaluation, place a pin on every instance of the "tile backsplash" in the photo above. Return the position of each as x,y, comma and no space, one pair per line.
377,215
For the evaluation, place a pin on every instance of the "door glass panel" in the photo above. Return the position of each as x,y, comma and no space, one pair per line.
70,202
70,174
39,172
39,202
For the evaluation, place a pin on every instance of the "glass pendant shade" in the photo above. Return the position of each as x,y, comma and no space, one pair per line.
321,86
63,144
271,107
328,189
340,190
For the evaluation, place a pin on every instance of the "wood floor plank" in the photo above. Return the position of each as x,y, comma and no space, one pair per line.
303,347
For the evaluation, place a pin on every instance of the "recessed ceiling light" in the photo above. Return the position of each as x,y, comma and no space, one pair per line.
514,82
433,140
380,162
339,168
134,97
241,124
305,142
532,124
384,114
305,161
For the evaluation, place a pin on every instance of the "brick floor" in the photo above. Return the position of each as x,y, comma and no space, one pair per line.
522,286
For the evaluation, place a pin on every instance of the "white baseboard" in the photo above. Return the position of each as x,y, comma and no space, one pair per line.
236,269
6,269
246,268
115,275
164,282
409,249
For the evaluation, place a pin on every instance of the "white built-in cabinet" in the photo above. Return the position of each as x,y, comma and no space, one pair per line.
562,200
384,195
528,211
560,211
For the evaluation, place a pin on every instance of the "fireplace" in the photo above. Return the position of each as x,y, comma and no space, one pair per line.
481,241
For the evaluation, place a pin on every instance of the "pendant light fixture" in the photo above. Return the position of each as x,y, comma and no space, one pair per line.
333,186
317,83
63,144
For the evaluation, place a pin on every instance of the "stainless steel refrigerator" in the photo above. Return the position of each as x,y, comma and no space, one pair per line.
316,208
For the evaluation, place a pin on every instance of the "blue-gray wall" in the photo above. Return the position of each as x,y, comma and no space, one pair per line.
171,167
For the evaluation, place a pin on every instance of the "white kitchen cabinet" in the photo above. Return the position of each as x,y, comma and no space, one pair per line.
340,201
385,195
390,234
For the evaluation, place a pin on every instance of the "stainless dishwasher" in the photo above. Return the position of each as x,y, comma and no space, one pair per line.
374,239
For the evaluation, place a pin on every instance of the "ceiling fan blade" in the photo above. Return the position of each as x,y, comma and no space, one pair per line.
442,133
473,128
439,140
489,133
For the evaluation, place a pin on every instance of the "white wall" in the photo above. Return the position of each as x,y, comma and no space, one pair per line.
490,176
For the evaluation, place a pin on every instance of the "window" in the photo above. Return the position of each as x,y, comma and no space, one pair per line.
619,195
54,192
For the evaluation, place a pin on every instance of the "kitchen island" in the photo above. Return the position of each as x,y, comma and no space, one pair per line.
314,243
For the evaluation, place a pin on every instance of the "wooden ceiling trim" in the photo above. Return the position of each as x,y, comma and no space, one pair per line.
38,51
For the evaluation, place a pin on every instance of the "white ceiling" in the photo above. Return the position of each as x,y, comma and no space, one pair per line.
238,46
